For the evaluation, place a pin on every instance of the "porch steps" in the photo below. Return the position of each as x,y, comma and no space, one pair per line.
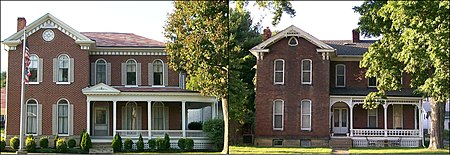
341,143
101,148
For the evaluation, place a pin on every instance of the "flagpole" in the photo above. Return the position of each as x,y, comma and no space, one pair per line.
22,90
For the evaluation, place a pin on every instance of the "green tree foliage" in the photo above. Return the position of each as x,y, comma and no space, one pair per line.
140,144
14,143
152,144
128,145
3,79
55,139
82,135
86,143
182,143
415,41
277,8
214,129
43,142
61,145
166,142
117,143
2,144
71,143
30,144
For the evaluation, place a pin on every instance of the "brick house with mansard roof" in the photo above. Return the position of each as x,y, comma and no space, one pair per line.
309,92
106,83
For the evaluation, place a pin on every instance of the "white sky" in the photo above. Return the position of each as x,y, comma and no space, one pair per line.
322,19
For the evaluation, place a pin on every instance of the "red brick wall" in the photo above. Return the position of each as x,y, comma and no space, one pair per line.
292,92
174,116
47,92
117,60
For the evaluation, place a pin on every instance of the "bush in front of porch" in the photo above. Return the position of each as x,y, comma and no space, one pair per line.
214,129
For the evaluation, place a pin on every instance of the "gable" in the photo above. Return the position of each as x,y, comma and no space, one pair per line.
100,88
47,21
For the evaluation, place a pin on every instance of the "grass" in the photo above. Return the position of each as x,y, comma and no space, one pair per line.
277,150
397,151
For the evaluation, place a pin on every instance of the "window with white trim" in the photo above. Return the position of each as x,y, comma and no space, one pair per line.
32,114
131,116
306,71
158,76
131,72
63,117
293,41
278,66
306,115
372,82
100,71
340,75
278,114
34,66
372,118
63,68
398,116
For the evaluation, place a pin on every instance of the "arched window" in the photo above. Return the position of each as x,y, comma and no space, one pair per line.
278,71
131,72
340,75
131,116
32,114
306,115
278,114
100,71
158,116
63,68
293,41
34,63
306,71
158,76
63,116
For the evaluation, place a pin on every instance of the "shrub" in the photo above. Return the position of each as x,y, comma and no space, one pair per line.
14,143
189,144
86,143
166,142
128,144
160,144
117,143
152,144
81,136
140,144
195,126
61,146
214,129
2,145
43,142
30,144
55,139
71,143
181,143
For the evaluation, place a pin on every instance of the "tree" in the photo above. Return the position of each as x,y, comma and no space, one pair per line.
415,39
277,8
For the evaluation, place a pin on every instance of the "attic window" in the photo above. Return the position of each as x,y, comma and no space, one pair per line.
293,41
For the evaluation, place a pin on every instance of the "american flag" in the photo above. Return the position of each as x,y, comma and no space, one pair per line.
27,63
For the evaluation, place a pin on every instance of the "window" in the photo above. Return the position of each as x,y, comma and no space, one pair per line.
306,115
131,72
158,116
32,119
279,71
372,118
63,68
100,71
398,116
158,72
63,113
340,75
182,79
305,142
306,71
277,142
34,63
293,41
372,82
278,110
131,116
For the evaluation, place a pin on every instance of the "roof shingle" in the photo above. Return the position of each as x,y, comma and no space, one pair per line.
112,39
348,47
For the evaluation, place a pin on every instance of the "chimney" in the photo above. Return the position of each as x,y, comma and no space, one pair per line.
355,33
21,23
267,34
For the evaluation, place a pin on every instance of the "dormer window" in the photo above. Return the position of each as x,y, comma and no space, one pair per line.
293,41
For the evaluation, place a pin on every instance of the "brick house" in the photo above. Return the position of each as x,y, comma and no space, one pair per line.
309,92
107,83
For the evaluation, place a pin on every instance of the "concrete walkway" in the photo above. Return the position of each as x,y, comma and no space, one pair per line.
340,150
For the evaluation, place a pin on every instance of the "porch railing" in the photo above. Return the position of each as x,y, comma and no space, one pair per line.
383,132
160,133
132,133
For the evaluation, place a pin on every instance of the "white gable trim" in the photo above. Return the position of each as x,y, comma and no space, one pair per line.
48,21
100,88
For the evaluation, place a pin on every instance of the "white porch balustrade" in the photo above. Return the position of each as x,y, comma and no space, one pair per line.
160,133
383,132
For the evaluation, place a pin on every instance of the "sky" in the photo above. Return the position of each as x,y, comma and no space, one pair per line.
323,19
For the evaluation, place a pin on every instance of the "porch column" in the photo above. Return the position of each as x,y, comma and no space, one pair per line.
213,110
420,119
114,115
385,106
183,117
415,116
88,116
351,119
149,117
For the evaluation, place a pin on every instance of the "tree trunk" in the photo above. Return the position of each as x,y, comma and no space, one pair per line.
225,120
437,125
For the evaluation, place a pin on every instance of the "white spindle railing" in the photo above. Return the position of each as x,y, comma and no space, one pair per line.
381,132
171,133
396,132
132,133
160,133
195,133
368,132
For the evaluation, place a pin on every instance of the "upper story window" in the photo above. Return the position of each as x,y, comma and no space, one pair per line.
278,114
63,68
372,82
100,71
158,76
32,117
34,67
131,72
278,71
293,41
340,75
63,117
306,115
306,74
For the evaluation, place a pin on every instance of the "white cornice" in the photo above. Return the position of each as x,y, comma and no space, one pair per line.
116,52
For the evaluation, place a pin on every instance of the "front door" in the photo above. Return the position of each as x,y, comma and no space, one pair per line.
101,121
340,123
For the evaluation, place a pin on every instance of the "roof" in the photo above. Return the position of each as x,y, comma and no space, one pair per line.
3,98
153,89
113,39
348,47
405,92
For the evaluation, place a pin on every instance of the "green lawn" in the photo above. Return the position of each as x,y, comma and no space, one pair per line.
397,151
277,150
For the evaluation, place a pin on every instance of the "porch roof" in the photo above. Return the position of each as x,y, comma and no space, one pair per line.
152,89
405,92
